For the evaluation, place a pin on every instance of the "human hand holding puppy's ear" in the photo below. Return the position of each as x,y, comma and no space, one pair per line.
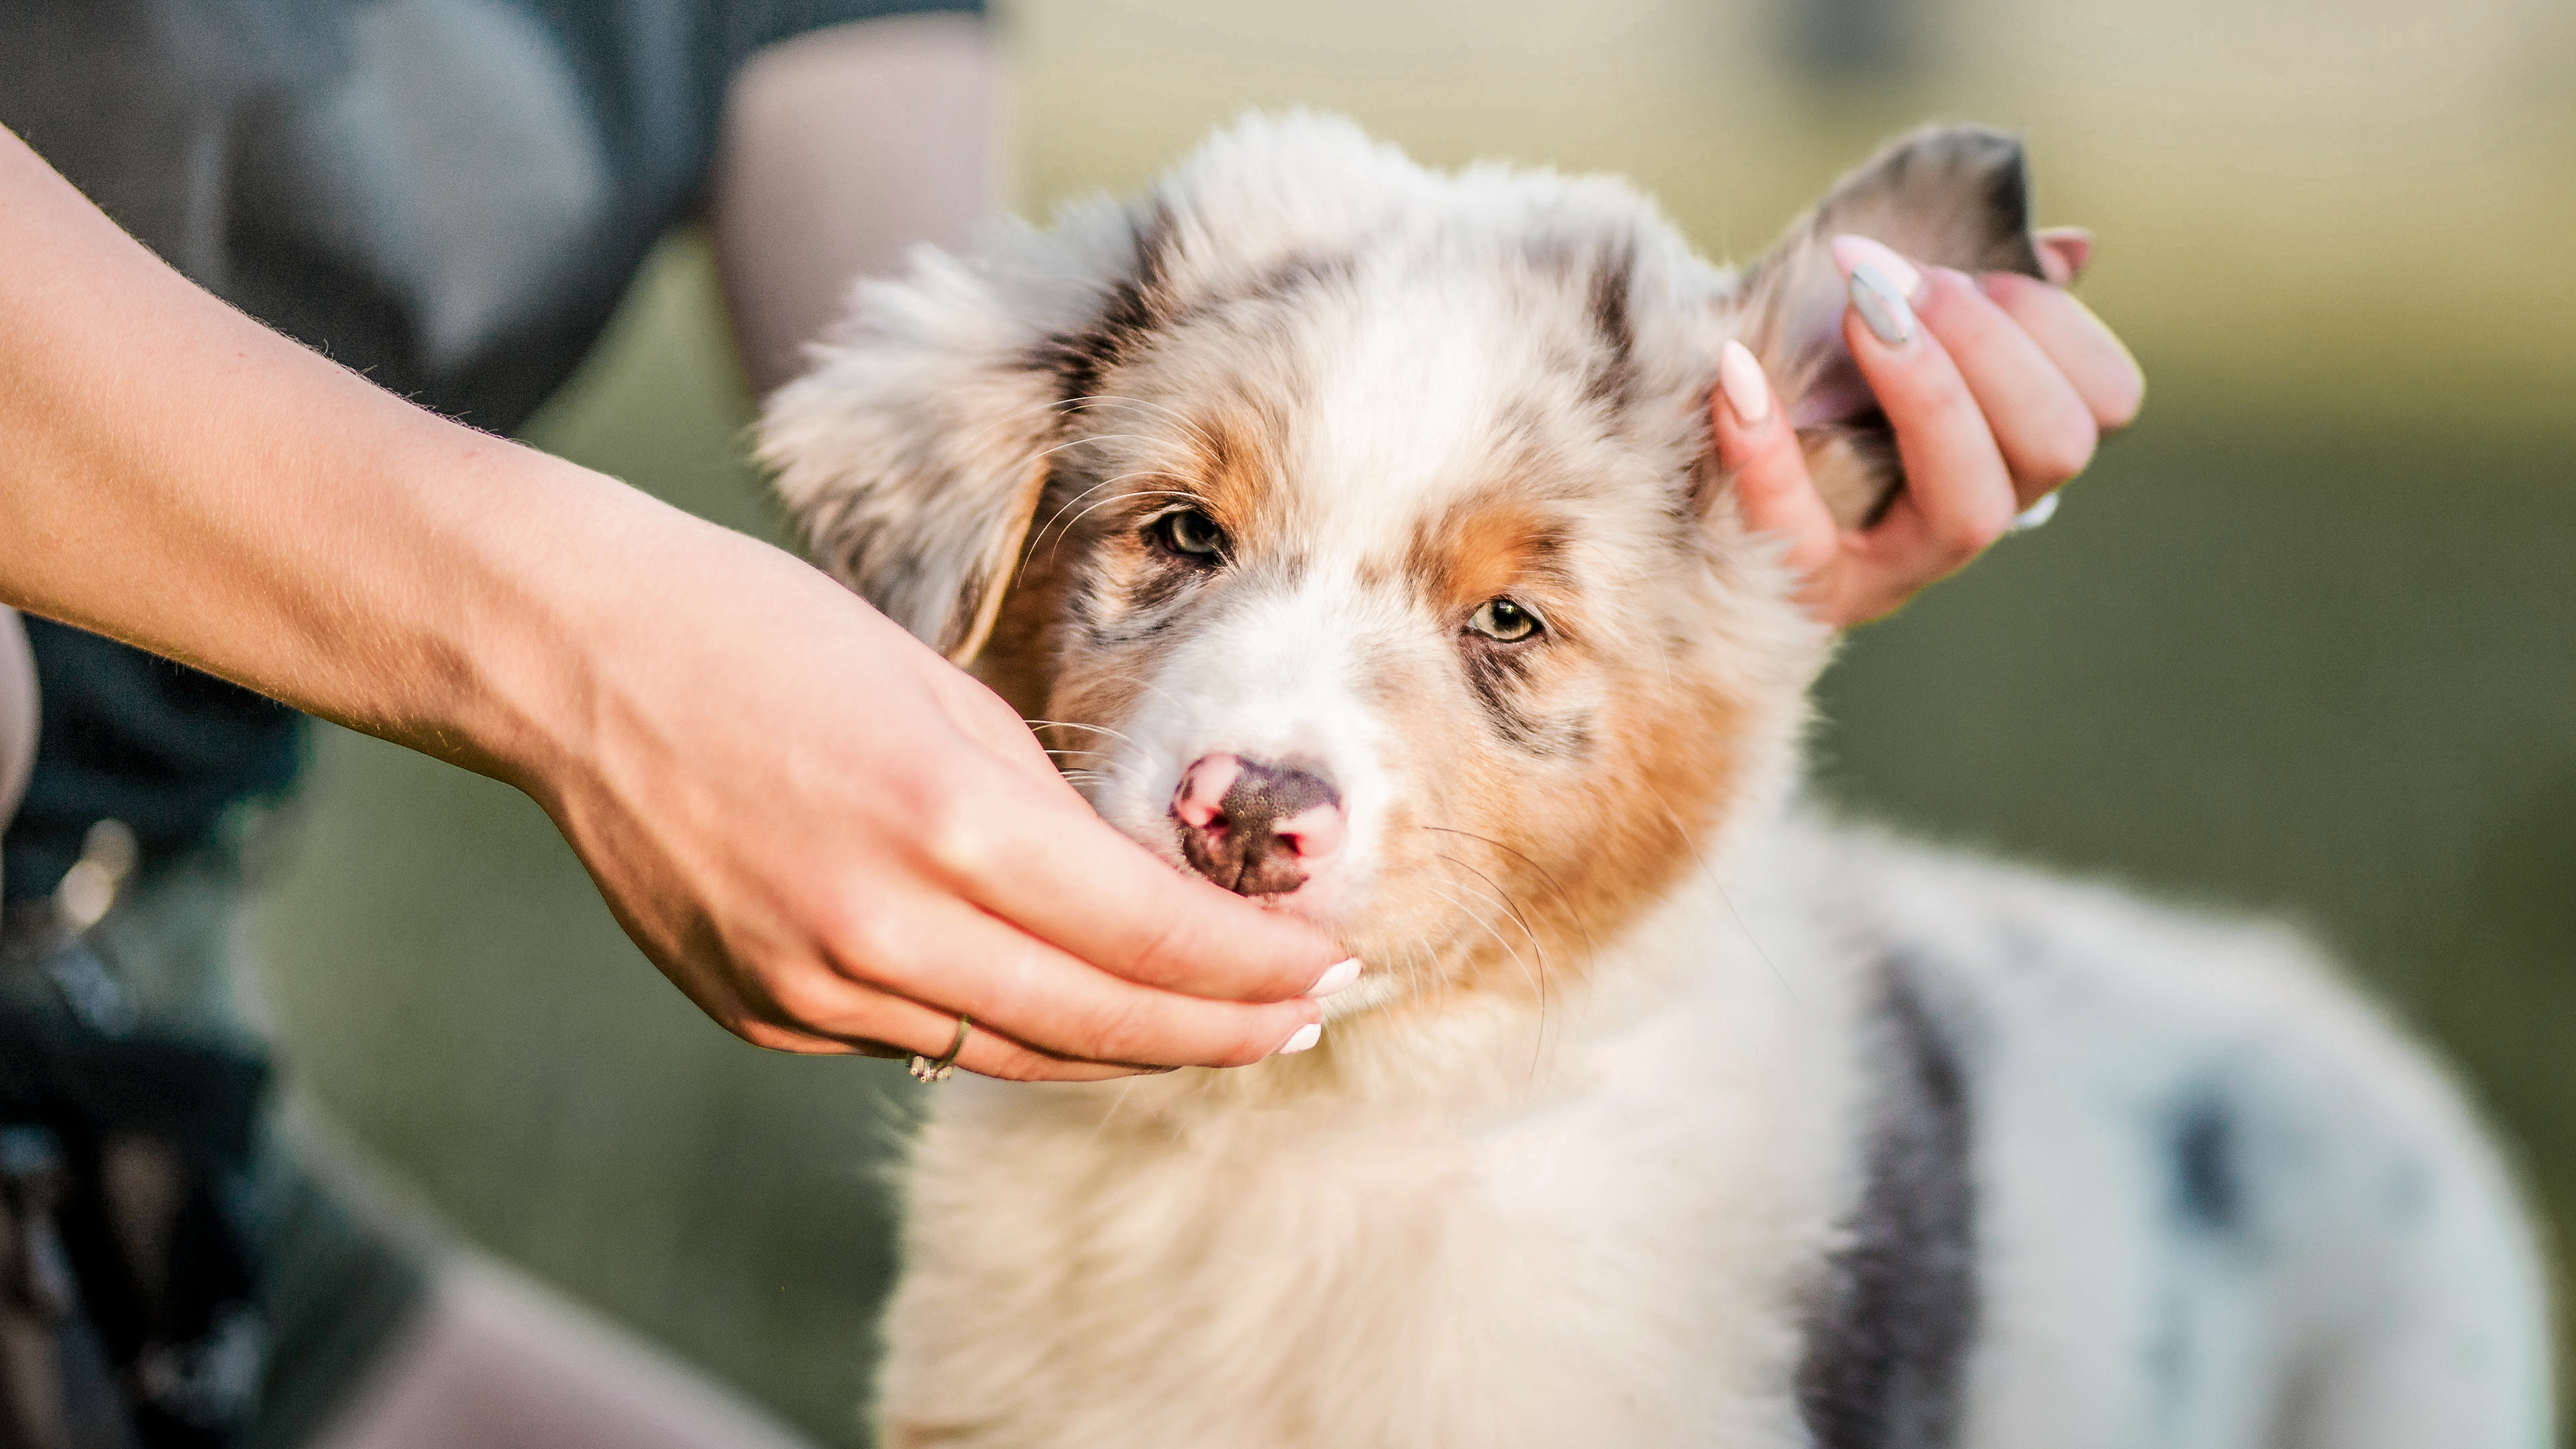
1997,388
1913,373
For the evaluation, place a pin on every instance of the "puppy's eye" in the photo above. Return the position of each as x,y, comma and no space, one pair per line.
1503,620
1187,533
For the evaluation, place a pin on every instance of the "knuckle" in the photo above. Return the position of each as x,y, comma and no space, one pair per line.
957,842
1159,956
1128,1031
808,995
865,943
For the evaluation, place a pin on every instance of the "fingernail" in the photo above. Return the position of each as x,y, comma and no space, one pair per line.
1304,1038
1851,253
1882,305
1740,377
1337,979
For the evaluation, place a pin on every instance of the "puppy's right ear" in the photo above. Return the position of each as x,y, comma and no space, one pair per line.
1955,196
912,456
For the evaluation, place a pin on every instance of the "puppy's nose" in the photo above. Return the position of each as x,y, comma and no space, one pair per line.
1256,829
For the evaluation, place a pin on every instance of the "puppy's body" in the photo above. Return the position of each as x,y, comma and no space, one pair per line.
1665,1114
2186,1193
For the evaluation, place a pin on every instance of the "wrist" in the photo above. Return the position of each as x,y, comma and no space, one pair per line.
558,598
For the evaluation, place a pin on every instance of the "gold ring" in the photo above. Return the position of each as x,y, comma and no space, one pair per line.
926,1070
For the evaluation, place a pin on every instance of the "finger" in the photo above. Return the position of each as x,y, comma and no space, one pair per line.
1043,861
956,960
1758,449
897,1029
2041,427
2088,354
1958,496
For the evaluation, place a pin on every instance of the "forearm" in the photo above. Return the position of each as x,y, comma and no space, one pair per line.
182,478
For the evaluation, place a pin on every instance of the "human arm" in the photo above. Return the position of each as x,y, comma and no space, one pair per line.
1998,401
826,836
842,150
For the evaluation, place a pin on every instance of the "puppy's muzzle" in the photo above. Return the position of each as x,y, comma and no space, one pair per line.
1256,829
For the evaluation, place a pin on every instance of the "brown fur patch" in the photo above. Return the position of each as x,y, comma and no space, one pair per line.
1556,862
1482,548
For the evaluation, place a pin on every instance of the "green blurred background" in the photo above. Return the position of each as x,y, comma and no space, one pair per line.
2302,641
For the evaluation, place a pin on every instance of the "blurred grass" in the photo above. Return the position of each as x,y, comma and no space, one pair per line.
2301,642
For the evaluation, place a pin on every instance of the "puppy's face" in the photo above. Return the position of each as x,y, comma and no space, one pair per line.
1378,594
1351,533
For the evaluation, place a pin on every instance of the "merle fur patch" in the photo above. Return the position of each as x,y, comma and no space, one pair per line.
1888,1337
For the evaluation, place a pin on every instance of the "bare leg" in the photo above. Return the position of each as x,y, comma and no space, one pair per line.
842,150
498,1363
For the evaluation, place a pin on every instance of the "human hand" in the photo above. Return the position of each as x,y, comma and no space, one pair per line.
1996,399
822,832
832,840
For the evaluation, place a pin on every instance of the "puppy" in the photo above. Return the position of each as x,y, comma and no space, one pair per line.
1360,525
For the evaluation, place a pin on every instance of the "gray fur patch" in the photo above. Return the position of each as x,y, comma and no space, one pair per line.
1889,1331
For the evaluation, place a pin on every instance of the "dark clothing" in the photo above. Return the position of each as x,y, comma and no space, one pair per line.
130,736
448,195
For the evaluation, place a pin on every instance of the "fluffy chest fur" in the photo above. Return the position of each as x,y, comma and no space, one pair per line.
1607,1239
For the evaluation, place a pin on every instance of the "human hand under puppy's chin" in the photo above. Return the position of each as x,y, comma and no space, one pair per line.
1998,388
833,840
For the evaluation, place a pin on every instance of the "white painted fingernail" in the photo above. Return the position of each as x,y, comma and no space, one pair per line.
1851,253
1337,979
1740,376
1882,305
2036,514
1302,1039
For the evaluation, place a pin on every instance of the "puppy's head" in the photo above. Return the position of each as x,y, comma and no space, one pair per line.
1353,530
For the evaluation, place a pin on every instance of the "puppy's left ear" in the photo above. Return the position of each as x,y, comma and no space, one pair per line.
1954,196
912,456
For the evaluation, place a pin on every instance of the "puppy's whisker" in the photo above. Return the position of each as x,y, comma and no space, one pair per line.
1538,1038
1690,842
1068,503
1500,896
1591,947
1536,974
1486,924
1051,450
1121,498
1173,413
1073,724
1041,536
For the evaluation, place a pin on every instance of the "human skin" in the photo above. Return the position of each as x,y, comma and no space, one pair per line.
826,836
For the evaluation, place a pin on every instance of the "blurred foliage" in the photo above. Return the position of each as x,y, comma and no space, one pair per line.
2300,643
